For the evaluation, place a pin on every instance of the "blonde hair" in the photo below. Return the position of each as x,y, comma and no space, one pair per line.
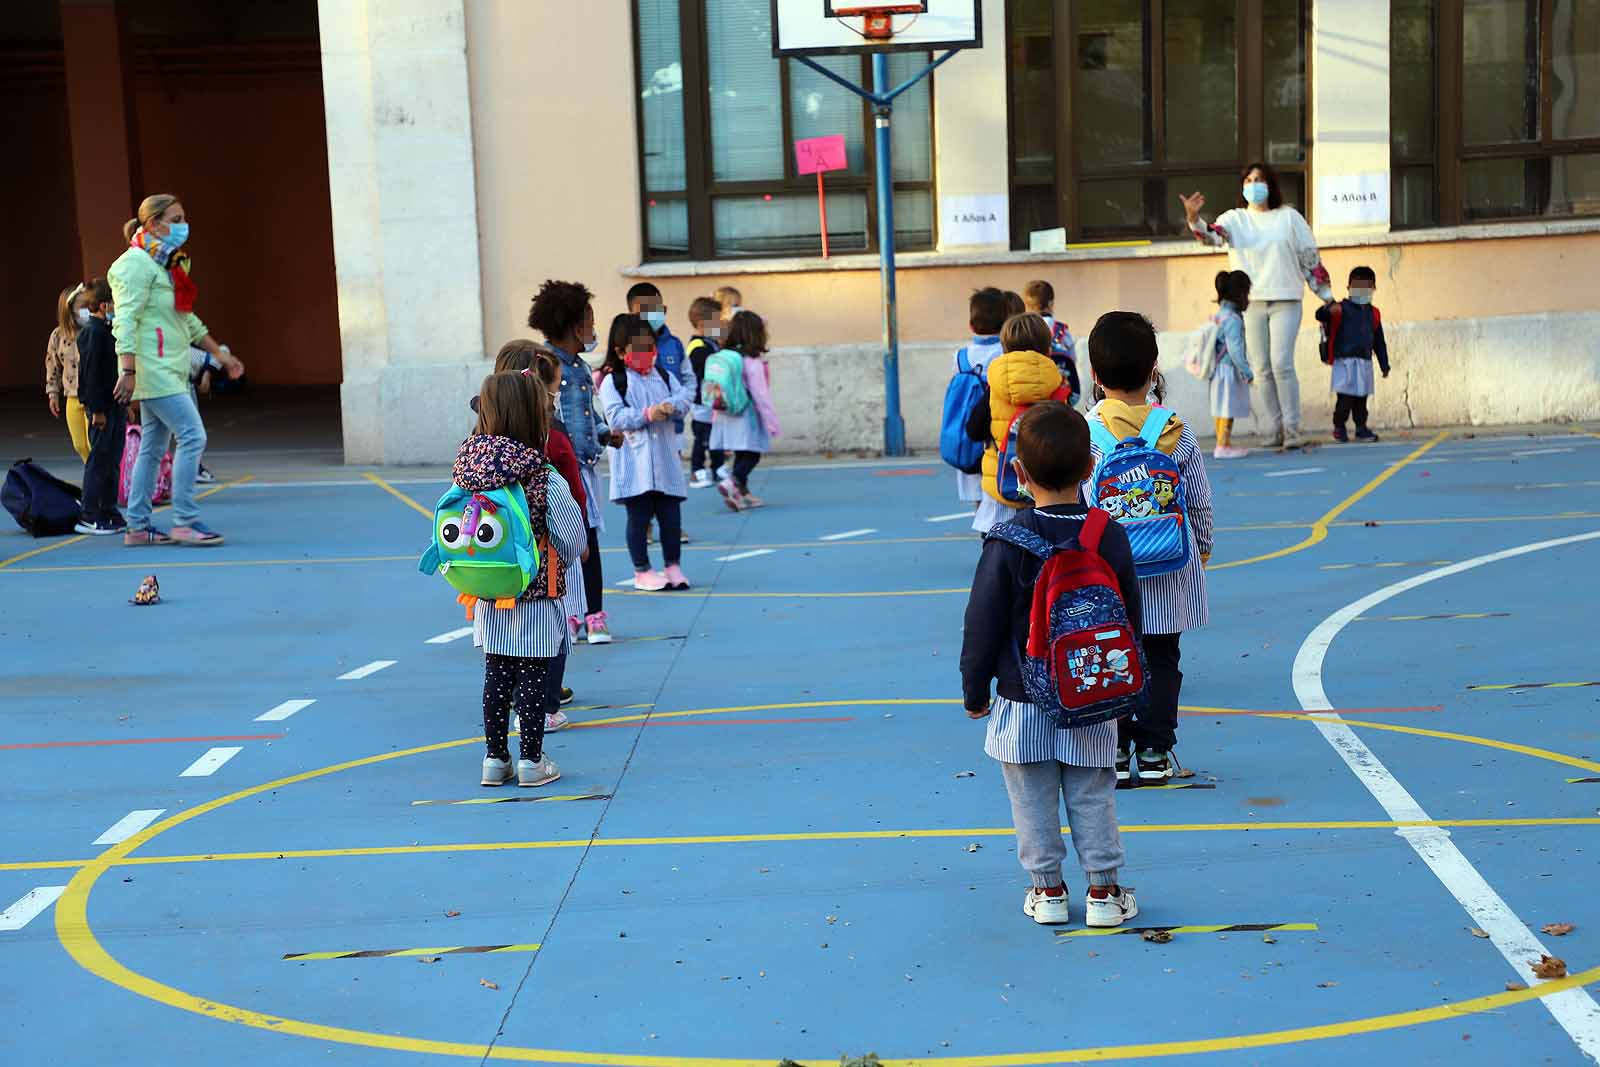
65,320
1025,333
728,297
152,207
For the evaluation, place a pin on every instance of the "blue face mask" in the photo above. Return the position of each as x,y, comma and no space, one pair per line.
1360,296
656,319
177,236
1256,192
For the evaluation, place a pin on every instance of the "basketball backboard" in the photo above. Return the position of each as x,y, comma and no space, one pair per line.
848,27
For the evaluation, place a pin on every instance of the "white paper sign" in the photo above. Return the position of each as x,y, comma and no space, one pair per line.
1353,199
974,220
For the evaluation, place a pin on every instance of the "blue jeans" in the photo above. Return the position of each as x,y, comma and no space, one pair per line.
164,418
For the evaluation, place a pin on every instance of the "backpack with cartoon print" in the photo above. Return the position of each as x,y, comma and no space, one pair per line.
1140,486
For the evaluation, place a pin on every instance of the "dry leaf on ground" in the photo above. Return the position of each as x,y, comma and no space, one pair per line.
452,914
488,984
1475,932
974,847
1549,967
429,959
1326,985
1159,937
1512,987
1183,772
1269,939
1557,929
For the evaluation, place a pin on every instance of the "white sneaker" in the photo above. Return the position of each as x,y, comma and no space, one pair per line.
530,774
724,472
701,480
497,771
1229,452
555,720
1046,911
1110,910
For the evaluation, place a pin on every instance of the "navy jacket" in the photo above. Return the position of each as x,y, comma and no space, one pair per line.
996,630
97,367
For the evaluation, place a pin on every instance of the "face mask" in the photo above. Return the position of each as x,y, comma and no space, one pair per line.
111,316
83,316
713,333
729,313
1256,192
643,362
656,319
591,344
177,236
1361,296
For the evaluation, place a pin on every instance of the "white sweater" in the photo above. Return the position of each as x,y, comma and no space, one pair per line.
1275,247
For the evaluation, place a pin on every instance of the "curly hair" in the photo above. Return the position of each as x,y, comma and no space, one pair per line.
559,308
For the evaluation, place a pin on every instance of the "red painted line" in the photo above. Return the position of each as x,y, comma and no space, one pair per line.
905,472
1302,711
143,741
708,722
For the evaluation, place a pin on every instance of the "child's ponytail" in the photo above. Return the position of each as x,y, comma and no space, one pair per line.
1234,286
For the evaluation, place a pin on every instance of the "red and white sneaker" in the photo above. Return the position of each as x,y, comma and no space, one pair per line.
1109,909
1047,907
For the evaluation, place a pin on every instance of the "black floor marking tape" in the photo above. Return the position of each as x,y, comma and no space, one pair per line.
1576,781
1130,786
1235,928
1435,618
514,800
663,637
379,953
1535,685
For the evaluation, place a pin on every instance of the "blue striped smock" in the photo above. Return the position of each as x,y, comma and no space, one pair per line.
1021,733
537,629
1177,602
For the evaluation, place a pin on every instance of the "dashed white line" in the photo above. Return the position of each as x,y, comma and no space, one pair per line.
745,555
208,763
452,635
1295,471
370,669
848,533
284,710
952,517
29,905
129,825
1541,452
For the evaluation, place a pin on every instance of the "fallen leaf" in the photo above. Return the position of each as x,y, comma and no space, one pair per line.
1557,929
1159,937
1549,967
452,914
1269,939
1326,985
1512,987
1183,773
1475,932
488,984
832,919
974,847
966,774
429,959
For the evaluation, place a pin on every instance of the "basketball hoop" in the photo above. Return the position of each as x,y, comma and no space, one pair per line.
877,20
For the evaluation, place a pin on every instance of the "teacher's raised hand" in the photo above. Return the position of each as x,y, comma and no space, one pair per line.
1192,205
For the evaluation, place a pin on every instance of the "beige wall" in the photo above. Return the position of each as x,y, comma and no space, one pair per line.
552,88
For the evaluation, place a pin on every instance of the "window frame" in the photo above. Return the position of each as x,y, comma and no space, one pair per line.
1451,153
1249,102
701,190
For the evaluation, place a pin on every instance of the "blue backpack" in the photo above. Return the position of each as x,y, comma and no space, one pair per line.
483,544
1005,474
1140,486
1083,664
964,393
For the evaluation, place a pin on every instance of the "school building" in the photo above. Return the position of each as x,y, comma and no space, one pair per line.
378,186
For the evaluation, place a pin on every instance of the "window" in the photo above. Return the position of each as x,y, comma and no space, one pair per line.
1117,106
1516,132
718,118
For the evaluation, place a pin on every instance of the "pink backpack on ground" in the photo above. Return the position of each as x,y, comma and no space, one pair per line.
130,453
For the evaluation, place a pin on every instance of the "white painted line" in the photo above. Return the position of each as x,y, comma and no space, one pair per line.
370,669
952,517
129,825
1541,451
1574,1009
31,904
745,555
284,710
453,635
1295,471
849,533
208,763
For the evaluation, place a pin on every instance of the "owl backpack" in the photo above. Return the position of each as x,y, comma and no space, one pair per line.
1140,486
484,546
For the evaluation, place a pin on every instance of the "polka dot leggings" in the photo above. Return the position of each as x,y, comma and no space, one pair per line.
514,681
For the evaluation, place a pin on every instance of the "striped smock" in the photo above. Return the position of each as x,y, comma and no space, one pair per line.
1021,733
537,629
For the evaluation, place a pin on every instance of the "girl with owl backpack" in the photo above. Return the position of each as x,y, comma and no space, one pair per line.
1143,498
521,641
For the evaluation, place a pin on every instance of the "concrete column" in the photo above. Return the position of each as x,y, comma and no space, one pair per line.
405,225
1350,116
970,141
104,130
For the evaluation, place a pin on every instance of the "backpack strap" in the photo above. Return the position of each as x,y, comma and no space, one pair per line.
1094,526
963,364
1020,536
1100,434
1154,425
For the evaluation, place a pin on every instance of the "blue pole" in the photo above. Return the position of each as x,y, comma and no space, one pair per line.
894,426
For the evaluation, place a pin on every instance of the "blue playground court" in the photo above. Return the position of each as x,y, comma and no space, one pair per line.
245,826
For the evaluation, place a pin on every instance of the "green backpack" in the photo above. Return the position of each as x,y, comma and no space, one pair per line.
723,388
483,544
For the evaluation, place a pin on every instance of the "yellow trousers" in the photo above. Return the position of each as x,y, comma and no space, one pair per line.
78,427
1224,432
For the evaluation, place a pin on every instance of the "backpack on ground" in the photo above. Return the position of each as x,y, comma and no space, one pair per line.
723,388
42,504
131,439
961,397
483,545
1005,474
1201,360
1084,664
1140,486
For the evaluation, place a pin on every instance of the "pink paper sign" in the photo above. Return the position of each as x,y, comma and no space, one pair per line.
816,154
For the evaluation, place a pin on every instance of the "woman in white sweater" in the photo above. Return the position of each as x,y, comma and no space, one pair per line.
1270,242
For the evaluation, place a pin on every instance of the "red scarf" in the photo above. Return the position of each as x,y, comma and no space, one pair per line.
184,291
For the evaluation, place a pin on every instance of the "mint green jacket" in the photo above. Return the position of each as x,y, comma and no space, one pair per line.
149,325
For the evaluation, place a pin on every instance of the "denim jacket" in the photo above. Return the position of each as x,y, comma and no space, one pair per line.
584,426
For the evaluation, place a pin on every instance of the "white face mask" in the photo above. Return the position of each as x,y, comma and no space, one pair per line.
1360,296
83,316
591,345
731,312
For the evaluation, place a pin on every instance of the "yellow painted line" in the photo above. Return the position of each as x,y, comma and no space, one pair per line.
1233,928
1110,244
1319,529
385,953
1436,618
397,494
1484,742
51,547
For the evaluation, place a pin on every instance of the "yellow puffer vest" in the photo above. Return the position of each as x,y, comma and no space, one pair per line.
1016,380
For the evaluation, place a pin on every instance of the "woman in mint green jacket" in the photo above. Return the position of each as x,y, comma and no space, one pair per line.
154,326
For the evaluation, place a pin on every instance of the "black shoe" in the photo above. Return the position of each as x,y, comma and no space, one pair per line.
1154,767
1364,434
101,528
1341,435
566,696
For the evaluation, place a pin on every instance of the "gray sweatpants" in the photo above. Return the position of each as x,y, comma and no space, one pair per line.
1036,791
1270,330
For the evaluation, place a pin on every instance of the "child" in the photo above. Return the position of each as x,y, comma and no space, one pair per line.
1021,376
732,302
641,398
705,317
1015,305
520,643
748,434
97,375
1042,765
1122,361
1355,332
61,366
1230,384
1040,297
645,301
563,312
986,314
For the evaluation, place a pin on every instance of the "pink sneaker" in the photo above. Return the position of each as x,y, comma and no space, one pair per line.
1229,452
675,578
598,628
574,627
730,494
649,581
